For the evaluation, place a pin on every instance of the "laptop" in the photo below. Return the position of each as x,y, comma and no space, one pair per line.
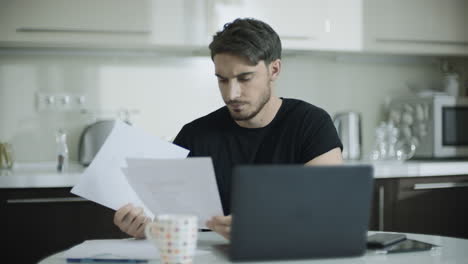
299,212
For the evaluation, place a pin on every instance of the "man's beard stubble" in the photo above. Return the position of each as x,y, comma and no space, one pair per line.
262,102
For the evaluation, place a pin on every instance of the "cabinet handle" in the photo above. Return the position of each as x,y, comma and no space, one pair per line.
47,200
381,207
298,37
80,30
441,185
422,41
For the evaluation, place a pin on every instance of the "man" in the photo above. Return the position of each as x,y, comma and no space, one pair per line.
255,126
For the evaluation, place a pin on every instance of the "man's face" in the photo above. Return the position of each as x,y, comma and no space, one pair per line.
245,88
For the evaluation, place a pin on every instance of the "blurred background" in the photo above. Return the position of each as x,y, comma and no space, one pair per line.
149,58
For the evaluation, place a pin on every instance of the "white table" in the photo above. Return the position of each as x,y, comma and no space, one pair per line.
452,251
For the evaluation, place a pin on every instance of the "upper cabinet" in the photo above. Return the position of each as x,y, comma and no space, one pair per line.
298,27
301,24
433,27
416,26
106,23
389,26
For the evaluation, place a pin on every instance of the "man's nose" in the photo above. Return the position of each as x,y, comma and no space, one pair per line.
234,90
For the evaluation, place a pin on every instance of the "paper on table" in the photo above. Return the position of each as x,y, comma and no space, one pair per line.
116,249
103,181
176,186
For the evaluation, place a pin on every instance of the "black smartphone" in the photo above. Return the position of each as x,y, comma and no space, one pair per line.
408,245
381,240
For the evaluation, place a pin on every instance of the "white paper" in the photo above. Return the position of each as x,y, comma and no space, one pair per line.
116,249
104,182
176,186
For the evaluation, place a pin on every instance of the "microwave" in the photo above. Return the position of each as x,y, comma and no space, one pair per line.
438,125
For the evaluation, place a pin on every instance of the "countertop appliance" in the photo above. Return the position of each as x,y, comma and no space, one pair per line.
438,124
348,126
91,140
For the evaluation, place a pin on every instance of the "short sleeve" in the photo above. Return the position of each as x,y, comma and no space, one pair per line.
183,139
319,136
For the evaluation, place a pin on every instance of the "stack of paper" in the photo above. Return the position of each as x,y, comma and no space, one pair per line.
116,249
158,177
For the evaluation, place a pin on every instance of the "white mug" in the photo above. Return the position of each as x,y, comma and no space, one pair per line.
175,236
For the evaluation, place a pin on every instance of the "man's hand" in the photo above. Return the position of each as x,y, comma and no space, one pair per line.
221,225
131,220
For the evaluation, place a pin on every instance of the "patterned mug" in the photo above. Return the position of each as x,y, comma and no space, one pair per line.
175,236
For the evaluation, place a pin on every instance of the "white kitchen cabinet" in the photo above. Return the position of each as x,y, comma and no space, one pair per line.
416,26
98,23
432,27
344,19
302,24
299,23
74,22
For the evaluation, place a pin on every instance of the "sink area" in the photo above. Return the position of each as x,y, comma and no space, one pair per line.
44,168
40,175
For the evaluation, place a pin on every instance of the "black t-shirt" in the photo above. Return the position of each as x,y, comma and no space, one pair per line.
298,133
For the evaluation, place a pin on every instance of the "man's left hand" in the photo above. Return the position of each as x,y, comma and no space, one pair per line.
221,225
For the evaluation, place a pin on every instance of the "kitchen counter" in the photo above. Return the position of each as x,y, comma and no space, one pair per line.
43,175
397,169
40,175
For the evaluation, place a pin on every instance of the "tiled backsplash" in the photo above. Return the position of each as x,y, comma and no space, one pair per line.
171,90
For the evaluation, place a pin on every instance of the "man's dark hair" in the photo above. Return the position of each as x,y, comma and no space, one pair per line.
249,38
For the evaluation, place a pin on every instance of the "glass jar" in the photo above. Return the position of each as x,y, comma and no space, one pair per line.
6,158
62,151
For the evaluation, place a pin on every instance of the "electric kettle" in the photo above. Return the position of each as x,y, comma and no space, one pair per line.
92,139
348,126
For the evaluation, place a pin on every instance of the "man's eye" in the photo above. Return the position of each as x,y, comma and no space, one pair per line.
244,79
222,80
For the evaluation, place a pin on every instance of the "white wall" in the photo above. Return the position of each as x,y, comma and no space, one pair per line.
172,90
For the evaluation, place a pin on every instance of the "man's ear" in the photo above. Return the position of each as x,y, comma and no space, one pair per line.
275,69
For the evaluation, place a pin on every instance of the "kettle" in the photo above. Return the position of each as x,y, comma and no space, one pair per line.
6,156
92,139
348,126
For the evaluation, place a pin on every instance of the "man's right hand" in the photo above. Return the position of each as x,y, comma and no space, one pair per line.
131,220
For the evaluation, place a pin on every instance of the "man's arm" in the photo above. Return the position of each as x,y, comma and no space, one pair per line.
332,157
